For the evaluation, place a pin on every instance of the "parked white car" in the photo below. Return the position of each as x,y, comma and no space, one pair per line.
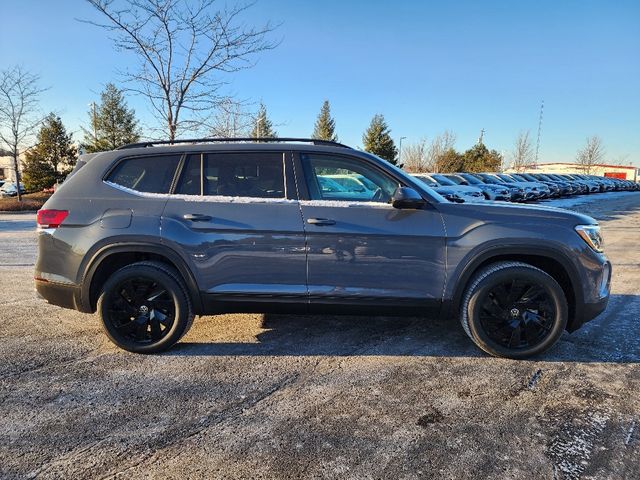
9,189
449,190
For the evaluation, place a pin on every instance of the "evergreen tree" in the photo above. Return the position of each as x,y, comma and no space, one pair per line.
325,128
377,140
449,161
113,125
52,158
480,159
263,127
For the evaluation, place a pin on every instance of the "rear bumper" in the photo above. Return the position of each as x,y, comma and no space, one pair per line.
59,294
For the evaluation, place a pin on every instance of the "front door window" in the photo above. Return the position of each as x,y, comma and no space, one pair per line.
342,179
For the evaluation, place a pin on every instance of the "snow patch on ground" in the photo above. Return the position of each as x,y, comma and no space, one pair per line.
572,446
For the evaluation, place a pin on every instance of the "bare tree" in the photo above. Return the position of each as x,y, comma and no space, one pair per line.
437,148
522,154
231,120
181,45
19,115
414,156
591,154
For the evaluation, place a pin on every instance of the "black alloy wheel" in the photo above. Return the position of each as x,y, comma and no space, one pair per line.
145,307
141,309
514,310
517,314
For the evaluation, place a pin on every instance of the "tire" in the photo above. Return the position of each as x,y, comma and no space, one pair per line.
145,307
513,310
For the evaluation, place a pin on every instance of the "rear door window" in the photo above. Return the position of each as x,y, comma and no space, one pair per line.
149,174
250,174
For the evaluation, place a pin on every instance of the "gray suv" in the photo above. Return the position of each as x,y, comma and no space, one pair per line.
152,234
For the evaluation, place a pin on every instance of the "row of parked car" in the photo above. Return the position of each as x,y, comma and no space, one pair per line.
519,187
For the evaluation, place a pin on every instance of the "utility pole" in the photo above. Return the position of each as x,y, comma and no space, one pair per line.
535,162
93,114
258,125
481,137
400,150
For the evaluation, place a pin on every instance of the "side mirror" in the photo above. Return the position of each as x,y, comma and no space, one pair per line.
405,197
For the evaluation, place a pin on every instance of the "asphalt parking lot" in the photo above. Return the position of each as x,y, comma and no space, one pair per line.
252,396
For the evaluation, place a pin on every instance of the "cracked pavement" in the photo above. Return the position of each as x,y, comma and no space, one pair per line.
278,396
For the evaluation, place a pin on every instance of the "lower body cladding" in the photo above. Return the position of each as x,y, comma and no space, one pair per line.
69,296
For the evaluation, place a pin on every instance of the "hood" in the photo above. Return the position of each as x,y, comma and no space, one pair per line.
446,190
465,189
514,213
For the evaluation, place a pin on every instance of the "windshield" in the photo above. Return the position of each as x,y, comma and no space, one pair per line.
490,178
456,179
507,178
428,180
442,180
471,179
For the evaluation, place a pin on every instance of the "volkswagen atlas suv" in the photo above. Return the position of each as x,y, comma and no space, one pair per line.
152,234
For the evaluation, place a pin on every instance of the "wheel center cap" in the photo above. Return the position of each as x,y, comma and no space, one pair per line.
514,312
144,309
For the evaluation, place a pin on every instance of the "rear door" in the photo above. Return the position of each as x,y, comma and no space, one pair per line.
236,219
362,250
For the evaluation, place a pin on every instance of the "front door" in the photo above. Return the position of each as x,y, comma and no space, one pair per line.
360,249
238,223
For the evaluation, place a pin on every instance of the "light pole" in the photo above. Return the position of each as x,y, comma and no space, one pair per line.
400,150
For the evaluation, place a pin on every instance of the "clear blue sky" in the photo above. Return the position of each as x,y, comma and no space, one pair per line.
427,66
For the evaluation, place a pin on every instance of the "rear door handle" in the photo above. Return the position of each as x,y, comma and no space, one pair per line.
197,217
320,221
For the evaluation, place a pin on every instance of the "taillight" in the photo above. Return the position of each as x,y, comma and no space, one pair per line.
51,218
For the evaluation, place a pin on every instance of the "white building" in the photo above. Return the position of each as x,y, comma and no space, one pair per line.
6,167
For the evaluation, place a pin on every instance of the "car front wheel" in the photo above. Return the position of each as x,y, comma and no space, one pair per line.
514,310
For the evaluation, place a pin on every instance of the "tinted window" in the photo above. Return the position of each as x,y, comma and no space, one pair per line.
338,178
234,175
189,183
152,174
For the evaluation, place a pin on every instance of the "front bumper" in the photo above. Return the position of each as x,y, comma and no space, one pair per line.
589,310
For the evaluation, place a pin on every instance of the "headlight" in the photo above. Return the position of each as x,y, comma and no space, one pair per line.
591,234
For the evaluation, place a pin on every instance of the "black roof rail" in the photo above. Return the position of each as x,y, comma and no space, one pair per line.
152,143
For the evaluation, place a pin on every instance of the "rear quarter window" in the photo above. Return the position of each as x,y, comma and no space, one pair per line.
149,174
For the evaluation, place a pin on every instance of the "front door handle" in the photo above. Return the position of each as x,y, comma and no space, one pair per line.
197,217
320,221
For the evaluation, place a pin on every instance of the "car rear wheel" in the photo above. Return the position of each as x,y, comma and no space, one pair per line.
145,307
514,310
